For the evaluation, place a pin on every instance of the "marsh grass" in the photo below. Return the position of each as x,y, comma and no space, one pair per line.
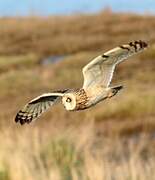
68,35
113,140
75,154
17,62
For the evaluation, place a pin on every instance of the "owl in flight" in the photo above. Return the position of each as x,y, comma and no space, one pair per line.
97,77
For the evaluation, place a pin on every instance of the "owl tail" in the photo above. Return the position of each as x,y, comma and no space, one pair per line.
114,90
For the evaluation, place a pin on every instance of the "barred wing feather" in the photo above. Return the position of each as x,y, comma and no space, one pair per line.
36,107
100,70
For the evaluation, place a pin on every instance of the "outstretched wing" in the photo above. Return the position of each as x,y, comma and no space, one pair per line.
37,106
100,70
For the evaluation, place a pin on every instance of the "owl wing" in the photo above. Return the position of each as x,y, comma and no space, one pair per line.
100,70
37,106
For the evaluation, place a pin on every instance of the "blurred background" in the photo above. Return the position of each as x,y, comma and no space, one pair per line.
43,47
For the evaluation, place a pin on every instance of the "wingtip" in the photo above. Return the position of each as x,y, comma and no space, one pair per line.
21,119
141,43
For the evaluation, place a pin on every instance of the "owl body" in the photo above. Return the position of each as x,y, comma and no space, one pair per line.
82,99
75,100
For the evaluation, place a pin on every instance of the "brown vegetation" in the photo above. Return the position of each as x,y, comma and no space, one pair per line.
114,139
72,34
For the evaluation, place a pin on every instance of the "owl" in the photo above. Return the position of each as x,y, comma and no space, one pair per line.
96,86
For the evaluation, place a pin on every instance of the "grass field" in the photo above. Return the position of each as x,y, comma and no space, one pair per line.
113,140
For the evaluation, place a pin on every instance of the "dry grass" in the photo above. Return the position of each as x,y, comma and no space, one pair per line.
9,63
112,141
68,35
77,153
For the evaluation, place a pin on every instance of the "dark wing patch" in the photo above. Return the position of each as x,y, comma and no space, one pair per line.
105,56
123,47
42,99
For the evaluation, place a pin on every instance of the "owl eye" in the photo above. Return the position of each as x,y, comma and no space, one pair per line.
68,100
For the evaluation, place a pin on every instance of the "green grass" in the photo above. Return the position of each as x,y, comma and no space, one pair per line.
64,155
4,174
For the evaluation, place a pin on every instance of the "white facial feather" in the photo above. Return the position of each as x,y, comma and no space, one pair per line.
69,101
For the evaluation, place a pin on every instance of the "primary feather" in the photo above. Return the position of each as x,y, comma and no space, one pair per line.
100,70
36,107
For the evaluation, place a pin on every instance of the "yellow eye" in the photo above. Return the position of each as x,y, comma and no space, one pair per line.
68,100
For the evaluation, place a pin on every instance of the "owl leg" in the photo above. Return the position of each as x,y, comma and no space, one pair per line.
114,90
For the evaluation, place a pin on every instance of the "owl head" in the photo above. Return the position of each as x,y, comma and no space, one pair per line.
69,101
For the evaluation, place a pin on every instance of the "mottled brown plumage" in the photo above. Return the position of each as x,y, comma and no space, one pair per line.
81,99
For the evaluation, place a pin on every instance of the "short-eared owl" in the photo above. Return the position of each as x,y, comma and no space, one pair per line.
97,77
